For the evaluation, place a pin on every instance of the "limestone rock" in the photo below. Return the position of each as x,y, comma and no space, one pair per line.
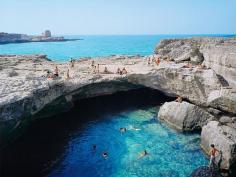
205,172
225,119
223,99
215,53
12,73
184,116
224,139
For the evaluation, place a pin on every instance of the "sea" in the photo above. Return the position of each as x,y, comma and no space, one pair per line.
95,46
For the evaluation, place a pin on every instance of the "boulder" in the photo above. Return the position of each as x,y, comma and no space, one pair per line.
224,139
225,119
184,116
223,99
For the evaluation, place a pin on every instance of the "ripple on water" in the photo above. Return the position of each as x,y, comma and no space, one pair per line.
171,154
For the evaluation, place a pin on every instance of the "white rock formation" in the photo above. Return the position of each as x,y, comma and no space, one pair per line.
224,139
184,116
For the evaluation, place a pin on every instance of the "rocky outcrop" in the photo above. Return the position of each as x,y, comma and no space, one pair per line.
215,53
184,116
224,139
205,172
221,57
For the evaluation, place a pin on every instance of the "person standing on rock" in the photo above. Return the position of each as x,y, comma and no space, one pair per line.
212,153
56,72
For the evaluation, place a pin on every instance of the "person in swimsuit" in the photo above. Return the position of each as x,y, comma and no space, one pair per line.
212,153
94,147
56,72
122,130
105,155
144,153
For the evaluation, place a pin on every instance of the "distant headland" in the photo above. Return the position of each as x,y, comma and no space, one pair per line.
46,36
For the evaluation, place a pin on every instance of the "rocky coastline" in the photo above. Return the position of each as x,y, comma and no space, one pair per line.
202,71
6,38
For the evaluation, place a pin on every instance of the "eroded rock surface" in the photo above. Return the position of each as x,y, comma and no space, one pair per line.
184,116
216,53
224,139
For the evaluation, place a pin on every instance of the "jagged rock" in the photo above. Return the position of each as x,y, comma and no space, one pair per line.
224,139
222,59
223,99
225,119
184,116
214,111
216,53
205,172
12,73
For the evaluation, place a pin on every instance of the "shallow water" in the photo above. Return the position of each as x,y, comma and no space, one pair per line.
62,146
93,46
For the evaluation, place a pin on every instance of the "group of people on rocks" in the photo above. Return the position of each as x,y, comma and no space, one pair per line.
96,70
55,73
153,59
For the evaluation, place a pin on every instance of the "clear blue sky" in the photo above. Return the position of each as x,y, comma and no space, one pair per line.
119,16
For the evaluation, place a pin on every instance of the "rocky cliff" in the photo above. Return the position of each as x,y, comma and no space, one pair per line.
188,68
217,55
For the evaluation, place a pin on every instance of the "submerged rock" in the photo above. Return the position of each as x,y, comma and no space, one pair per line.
184,116
205,172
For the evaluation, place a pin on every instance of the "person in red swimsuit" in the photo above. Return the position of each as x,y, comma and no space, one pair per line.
213,151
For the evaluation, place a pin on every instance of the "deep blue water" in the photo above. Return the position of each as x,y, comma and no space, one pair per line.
170,153
62,145
93,46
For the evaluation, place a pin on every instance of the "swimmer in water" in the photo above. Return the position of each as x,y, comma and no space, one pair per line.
94,147
105,155
134,128
122,130
144,153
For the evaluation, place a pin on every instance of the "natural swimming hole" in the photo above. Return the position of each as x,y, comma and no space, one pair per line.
62,146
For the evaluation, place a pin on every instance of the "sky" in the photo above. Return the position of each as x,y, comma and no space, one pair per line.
110,17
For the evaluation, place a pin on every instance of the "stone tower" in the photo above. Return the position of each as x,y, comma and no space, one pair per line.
47,33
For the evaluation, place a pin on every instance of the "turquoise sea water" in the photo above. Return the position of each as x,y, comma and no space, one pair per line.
171,154
62,145
92,46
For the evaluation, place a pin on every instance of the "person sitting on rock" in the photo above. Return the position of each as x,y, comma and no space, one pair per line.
56,72
213,151
118,71
106,70
49,75
179,99
124,71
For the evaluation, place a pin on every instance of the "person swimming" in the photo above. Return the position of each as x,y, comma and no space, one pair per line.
134,128
105,155
144,153
122,129
94,147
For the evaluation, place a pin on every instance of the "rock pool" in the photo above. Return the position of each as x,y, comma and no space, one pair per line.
62,146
